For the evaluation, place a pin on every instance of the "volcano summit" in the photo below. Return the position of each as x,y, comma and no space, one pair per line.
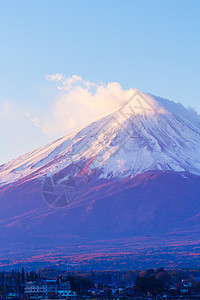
122,192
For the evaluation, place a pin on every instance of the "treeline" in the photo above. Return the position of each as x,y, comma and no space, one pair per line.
157,281
18,278
122,277
98,277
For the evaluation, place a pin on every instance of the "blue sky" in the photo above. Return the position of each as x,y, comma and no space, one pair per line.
151,45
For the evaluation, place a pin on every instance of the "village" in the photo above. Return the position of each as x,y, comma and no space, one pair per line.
149,284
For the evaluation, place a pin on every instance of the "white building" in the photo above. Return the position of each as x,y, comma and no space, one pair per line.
45,289
38,290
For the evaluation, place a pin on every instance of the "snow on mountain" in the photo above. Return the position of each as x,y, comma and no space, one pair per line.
145,133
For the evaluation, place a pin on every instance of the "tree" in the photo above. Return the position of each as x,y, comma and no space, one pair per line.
22,276
149,284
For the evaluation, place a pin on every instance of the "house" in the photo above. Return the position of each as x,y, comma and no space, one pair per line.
64,290
184,290
12,295
66,293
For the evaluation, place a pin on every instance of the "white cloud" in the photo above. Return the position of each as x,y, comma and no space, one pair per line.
76,103
79,102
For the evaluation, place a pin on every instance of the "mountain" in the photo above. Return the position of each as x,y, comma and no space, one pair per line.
122,192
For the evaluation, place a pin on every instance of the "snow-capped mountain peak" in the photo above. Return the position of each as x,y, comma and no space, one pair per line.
144,133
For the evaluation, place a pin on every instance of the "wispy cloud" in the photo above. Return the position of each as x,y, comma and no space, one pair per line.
67,83
10,110
18,134
76,102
